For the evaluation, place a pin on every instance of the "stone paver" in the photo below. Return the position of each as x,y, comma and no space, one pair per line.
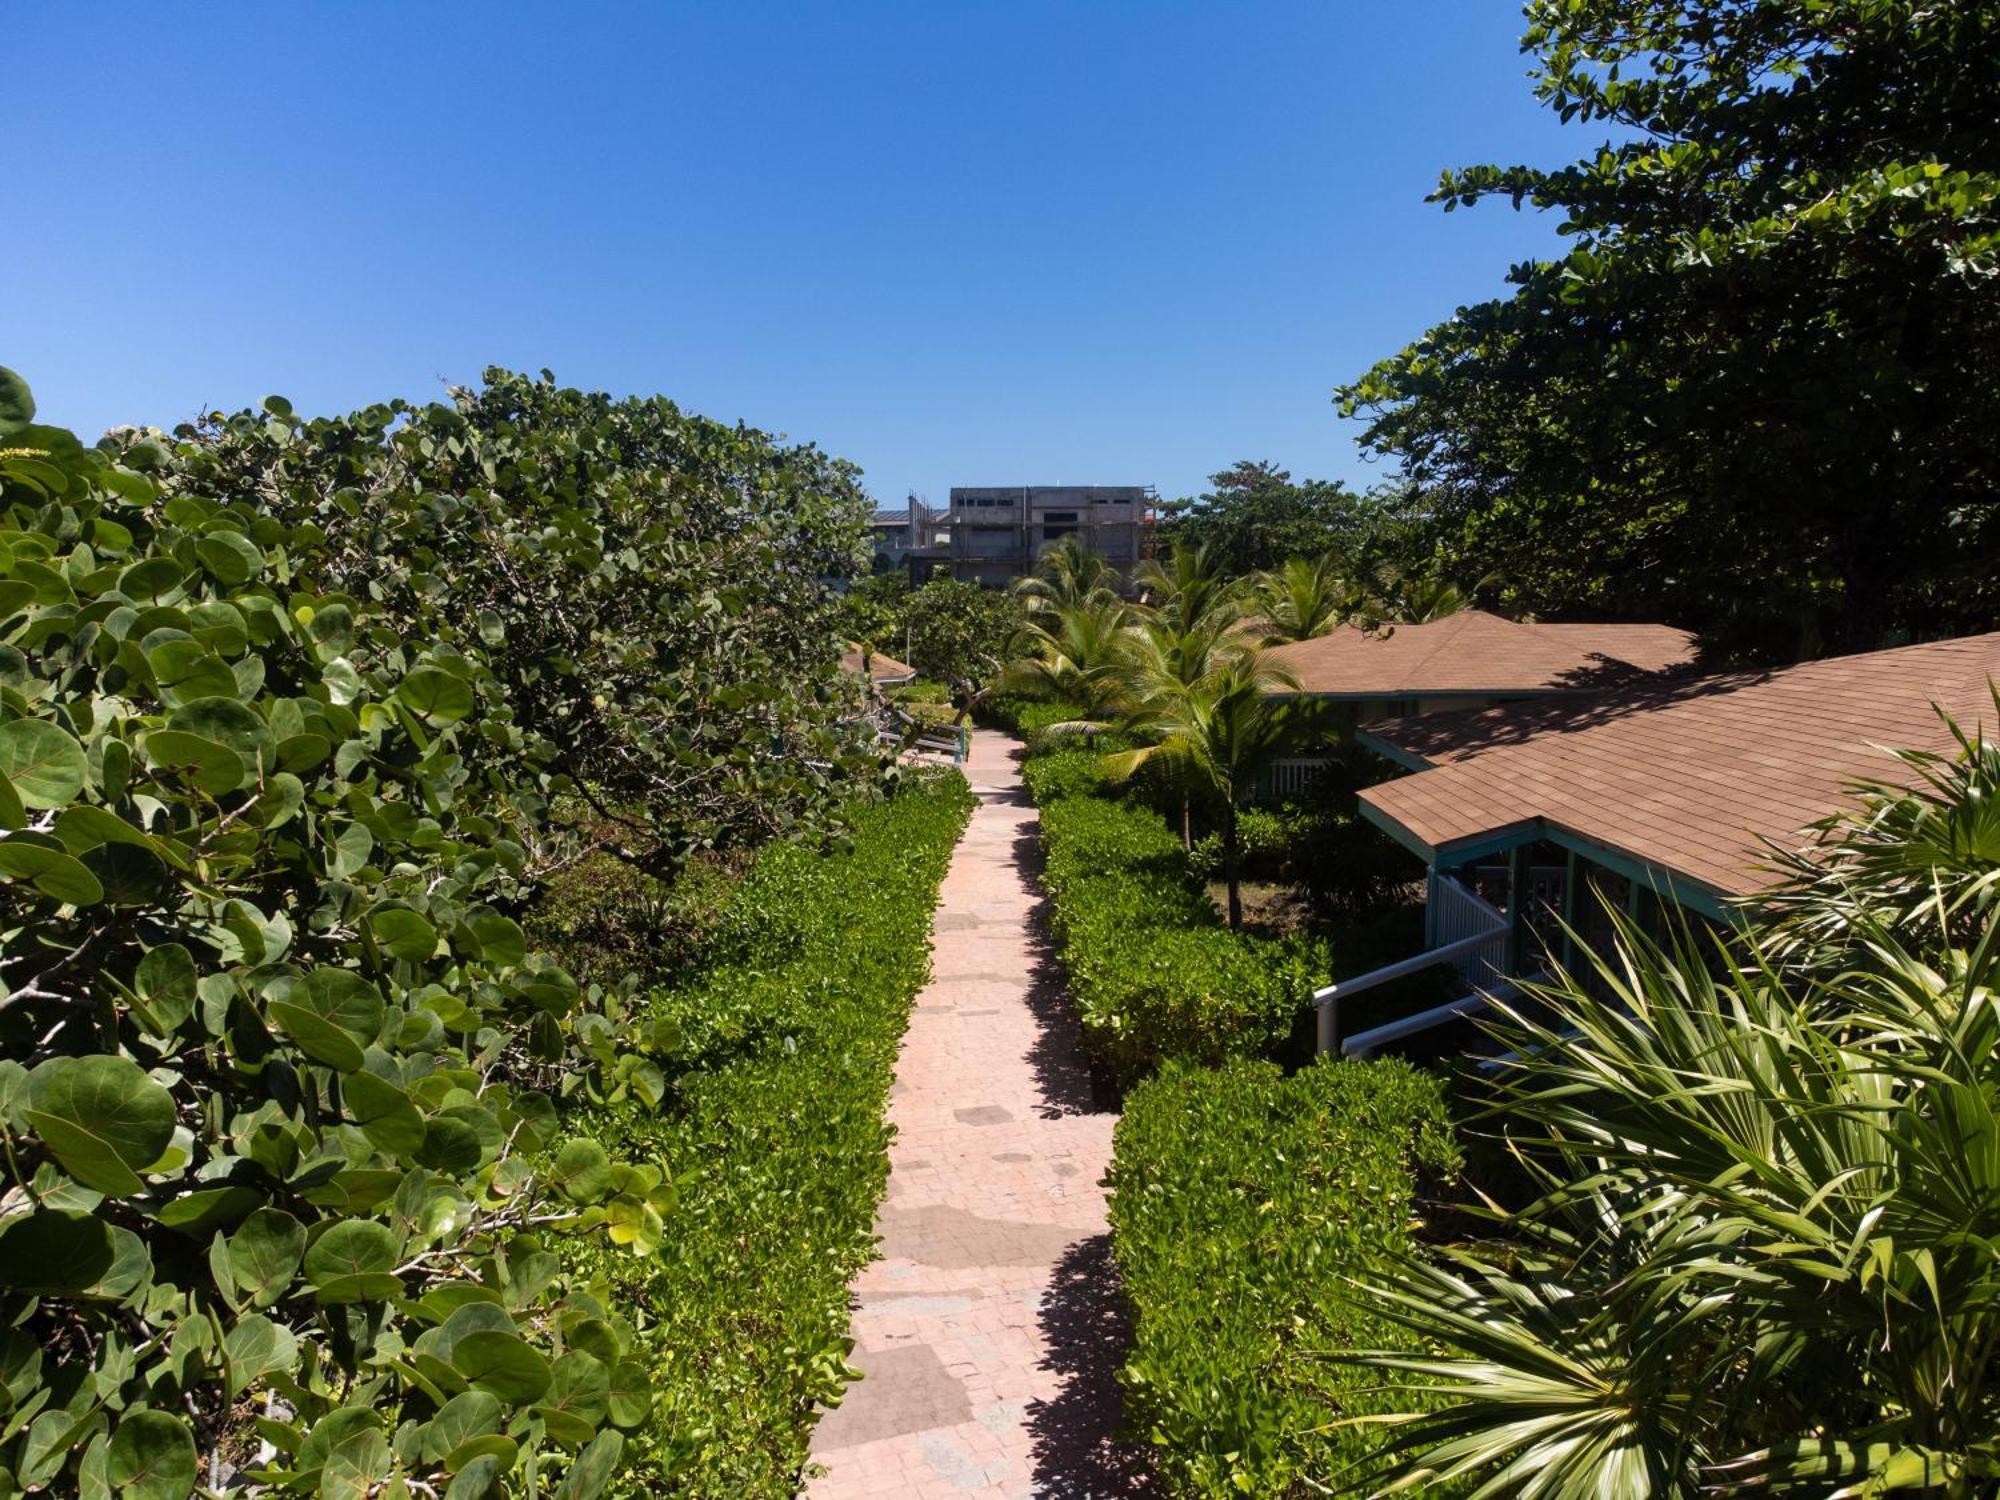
988,1331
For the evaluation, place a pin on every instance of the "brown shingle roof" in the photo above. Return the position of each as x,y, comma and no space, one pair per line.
1476,652
880,668
1692,777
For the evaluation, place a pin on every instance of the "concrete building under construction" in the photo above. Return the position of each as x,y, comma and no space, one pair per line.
997,533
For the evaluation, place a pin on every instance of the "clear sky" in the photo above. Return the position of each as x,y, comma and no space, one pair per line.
959,244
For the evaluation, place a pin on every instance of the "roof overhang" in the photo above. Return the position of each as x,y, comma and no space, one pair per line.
1677,886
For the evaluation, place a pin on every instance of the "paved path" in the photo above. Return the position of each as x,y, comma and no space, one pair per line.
988,1331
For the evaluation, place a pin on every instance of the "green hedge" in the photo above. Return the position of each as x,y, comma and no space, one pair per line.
1154,972
783,1051
1240,1198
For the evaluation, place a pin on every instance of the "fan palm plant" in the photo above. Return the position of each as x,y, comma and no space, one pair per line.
1307,597
1766,1253
1219,730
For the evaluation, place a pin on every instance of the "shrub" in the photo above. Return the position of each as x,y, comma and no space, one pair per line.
1153,971
783,1054
1241,1198
646,588
1026,717
1075,770
281,1073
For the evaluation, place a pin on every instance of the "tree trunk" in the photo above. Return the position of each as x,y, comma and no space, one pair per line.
1187,821
1229,865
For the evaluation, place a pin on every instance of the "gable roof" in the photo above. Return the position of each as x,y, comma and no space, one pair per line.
1687,778
880,668
1476,652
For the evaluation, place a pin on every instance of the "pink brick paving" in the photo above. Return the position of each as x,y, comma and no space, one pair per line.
988,1331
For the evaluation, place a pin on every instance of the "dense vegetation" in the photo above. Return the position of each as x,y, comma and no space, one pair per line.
1242,1200
1764,1256
296,721
1756,396
780,1038
1152,969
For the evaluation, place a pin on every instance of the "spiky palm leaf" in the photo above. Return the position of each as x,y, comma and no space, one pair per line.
1307,597
1767,1252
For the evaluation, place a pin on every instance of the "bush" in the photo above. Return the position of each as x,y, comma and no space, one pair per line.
1241,1198
783,1051
281,1073
1153,971
1075,770
1027,717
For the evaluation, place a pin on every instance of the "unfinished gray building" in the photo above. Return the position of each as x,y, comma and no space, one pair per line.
997,533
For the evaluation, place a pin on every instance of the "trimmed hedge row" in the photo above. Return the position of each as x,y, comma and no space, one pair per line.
782,1053
1153,971
1240,1199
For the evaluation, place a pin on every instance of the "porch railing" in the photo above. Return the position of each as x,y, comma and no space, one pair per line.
1474,941
1291,775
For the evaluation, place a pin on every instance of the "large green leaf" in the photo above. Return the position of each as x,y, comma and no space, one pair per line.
226,722
257,1347
384,1113
330,1014
501,1363
102,1118
352,1262
59,876
436,694
215,768
54,1250
17,403
152,1457
43,761
264,1255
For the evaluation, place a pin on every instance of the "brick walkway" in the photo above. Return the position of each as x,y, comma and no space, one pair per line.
988,1331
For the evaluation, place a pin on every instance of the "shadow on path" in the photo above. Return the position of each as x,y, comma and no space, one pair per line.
1078,1453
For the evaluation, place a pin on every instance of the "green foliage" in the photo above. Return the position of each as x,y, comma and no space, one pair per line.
784,1048
1240,1200
282,1075
1764,1255
1068,770
1758,393
959,633
296,719
1153,971
1256,518
644,587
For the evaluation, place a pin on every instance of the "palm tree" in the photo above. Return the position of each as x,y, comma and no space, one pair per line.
1307,597
1219,730
1765,1256
1419,598
1068,574
1074,653
1188,589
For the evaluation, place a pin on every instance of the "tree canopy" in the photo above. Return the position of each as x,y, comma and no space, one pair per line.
1760,393
1256,517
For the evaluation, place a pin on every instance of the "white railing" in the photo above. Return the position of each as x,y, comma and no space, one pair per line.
1457,913
1474,942
1293,774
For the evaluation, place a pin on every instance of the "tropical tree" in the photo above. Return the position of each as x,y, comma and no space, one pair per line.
957,632
1307,596
1255,515
1416,598
1759,392
1074,654
1218,730
1066,575
1765,1253
1188,589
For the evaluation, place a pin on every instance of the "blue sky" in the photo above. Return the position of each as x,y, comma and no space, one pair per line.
994,244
